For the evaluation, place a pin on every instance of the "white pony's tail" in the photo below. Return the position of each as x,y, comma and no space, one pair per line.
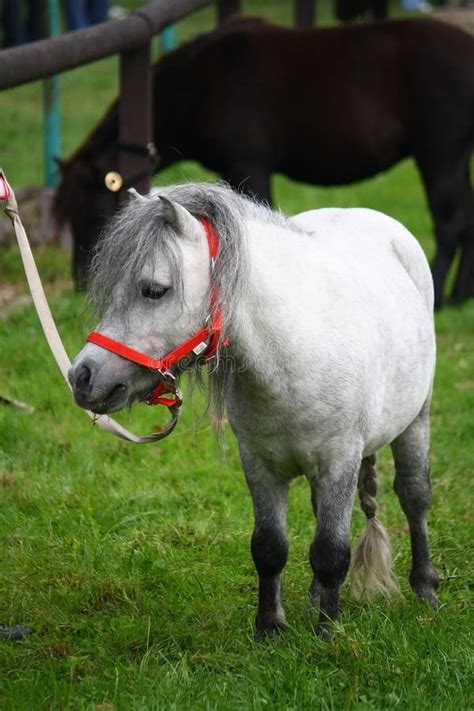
370,571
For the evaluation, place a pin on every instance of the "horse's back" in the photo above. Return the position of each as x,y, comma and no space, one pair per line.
371,241
304,100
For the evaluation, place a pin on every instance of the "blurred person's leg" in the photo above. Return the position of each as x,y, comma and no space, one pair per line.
416,5
75,14
36,23
13,33
97,10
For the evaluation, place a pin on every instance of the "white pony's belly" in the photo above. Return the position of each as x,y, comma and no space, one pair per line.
403,374
392,286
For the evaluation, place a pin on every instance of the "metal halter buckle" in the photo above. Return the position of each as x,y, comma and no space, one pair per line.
167,377
200,348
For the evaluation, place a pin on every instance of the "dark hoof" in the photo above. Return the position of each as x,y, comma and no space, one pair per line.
425,586
267,631
325,631
428,595
15,633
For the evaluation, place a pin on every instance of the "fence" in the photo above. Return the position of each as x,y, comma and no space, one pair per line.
131,39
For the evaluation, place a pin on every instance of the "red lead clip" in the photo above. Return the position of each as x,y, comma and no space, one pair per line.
5,191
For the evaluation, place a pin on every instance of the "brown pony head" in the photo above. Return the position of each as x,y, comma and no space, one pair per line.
82,198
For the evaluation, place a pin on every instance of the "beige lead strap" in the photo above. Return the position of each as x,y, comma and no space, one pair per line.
106,423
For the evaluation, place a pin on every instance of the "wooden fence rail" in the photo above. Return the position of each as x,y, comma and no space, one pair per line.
131,39
38,60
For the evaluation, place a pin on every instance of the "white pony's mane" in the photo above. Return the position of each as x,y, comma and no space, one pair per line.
130,238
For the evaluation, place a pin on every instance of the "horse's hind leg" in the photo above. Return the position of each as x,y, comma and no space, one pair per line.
332,494
412,485
464,283
269,541
450,197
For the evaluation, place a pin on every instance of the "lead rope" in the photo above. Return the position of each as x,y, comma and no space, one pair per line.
9,204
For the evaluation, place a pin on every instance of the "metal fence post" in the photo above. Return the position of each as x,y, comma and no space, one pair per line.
135,113
52,110
168,38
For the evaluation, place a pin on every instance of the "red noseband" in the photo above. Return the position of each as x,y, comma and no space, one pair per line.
203,343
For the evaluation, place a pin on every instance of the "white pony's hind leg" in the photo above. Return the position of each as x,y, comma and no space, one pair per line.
412,485
371,562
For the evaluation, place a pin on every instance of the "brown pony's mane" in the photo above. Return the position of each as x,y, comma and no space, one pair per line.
100,135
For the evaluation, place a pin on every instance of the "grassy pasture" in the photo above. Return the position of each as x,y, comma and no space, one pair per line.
132,564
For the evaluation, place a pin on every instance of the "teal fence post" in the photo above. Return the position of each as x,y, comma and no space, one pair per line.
168,38
51,110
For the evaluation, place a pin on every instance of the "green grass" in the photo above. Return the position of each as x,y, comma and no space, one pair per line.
132,564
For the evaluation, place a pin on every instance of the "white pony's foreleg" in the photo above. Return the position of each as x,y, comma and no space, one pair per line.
371,563
269,540
332,494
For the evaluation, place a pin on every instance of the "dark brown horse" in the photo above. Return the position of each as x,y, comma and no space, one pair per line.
326,106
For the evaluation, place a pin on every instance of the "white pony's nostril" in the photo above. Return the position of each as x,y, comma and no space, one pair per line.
115,390
82,380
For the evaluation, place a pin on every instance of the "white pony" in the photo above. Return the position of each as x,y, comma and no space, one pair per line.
331,356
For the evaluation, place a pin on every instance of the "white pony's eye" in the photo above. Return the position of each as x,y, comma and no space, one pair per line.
153,291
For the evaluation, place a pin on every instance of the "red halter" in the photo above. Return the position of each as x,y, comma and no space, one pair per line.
203,343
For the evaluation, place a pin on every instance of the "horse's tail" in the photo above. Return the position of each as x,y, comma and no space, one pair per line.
371,563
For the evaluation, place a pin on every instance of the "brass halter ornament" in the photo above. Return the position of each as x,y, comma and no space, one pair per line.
114,181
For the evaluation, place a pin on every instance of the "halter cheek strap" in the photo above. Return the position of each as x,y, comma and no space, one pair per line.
203,343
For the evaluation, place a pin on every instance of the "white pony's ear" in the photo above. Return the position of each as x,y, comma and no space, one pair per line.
136,195
181,219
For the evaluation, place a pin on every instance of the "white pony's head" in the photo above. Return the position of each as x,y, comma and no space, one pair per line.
151,279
